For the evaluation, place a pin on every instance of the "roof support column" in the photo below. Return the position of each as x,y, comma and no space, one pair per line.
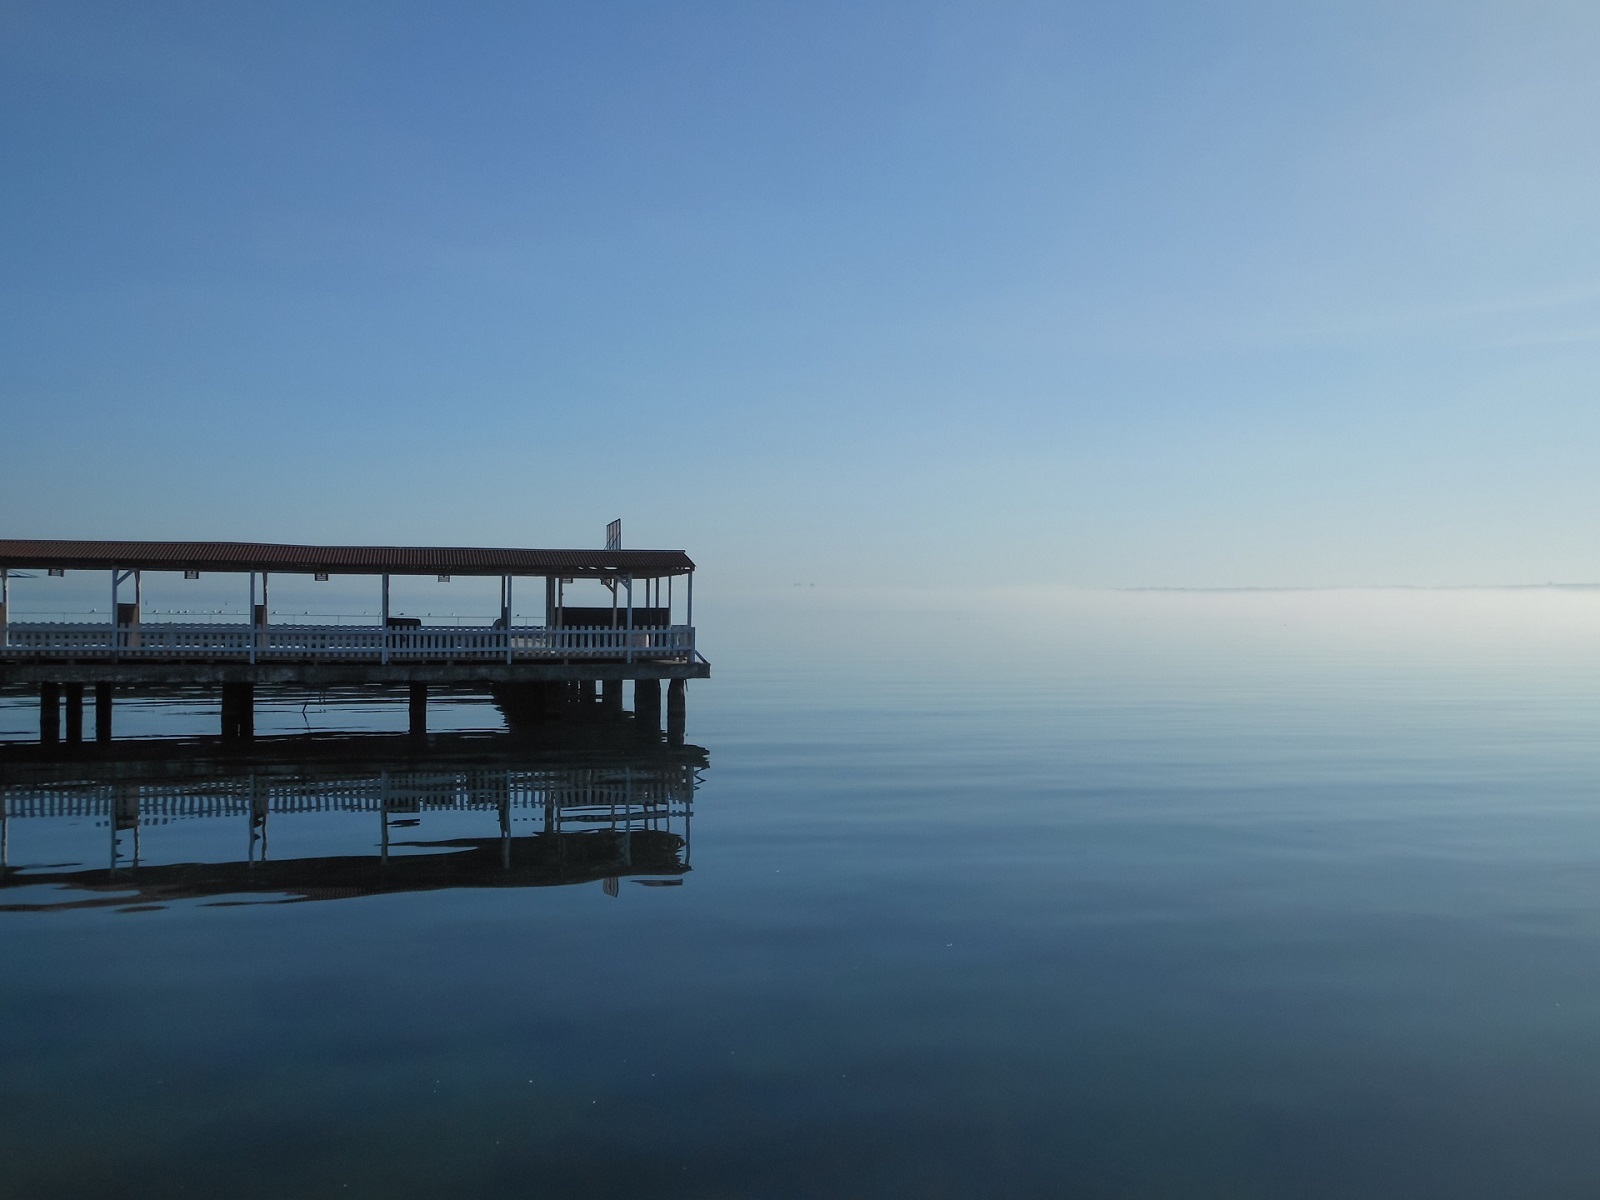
386,621
5,607
629,581
253,634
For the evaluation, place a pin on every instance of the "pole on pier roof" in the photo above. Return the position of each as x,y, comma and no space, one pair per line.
505,614
261,611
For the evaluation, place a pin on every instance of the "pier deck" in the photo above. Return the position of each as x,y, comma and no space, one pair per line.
326,655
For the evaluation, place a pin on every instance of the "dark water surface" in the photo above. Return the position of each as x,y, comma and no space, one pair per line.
1006,895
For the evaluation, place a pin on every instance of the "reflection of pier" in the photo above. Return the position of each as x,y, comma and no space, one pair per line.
583,818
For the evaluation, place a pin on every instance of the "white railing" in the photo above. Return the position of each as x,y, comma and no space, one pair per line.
279,643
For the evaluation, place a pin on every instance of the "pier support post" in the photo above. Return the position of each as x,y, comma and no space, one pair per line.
647,703
102,712
49,714
74,714
677,710
611,696
238,712
419,711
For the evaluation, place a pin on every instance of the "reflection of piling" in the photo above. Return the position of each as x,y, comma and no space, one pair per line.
259,798
124,816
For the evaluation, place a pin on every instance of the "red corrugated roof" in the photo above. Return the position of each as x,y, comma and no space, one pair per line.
337,560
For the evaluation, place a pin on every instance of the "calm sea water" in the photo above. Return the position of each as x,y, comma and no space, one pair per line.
988,894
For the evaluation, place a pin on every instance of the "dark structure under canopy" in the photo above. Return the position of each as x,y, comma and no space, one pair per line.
44,555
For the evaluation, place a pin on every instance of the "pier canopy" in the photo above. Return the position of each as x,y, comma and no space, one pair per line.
38,554
639,630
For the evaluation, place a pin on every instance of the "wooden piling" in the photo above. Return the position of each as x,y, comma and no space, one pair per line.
102,712
419,710
49,714
238,712
647,702
74,714
677,710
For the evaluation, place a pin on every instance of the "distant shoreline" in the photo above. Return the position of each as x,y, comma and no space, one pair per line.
1379,587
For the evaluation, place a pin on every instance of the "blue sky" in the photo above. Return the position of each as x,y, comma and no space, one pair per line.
1106,294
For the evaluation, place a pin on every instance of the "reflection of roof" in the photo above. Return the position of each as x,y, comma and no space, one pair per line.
337,560
543,860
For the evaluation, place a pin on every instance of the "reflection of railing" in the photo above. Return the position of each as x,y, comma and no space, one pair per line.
585,795
587,824
344,642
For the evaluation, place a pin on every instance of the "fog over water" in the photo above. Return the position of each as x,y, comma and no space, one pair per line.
1013,892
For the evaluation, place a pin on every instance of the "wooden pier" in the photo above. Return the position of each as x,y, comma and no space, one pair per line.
576,660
